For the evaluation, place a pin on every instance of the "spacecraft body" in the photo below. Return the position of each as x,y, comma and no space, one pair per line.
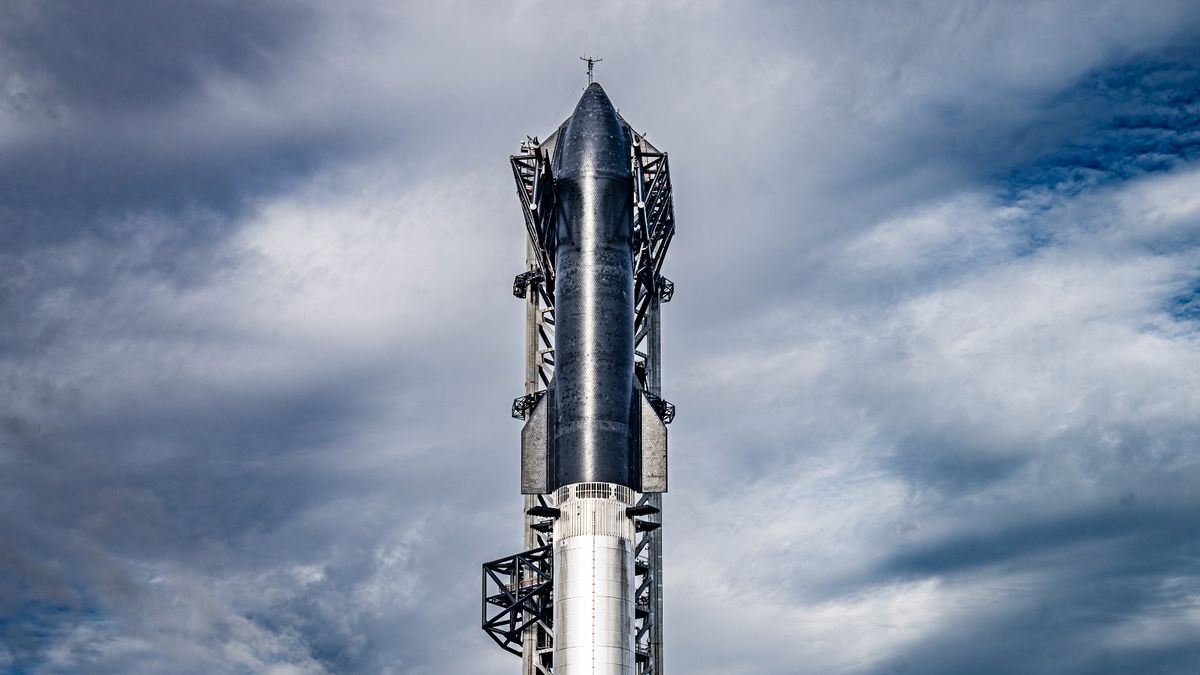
594,425
593,440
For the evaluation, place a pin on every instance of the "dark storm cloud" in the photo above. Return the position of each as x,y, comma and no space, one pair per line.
1144,118
1087,613
113,56
259,339
110,110
1163,532
155,480
1186,307
87,65
52,186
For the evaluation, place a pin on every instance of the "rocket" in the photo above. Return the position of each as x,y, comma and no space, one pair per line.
585,596
594,440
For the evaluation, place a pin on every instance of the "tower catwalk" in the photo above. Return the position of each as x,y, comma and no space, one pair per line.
585,597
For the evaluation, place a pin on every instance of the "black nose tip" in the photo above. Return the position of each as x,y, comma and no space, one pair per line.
595,142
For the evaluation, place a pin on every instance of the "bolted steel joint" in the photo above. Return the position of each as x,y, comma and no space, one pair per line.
666,288
523,280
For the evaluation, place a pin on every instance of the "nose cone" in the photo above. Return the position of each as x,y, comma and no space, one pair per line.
594,143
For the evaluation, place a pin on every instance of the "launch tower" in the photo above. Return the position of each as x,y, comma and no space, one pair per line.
585,595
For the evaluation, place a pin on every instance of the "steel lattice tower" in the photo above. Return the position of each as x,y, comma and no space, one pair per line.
518,602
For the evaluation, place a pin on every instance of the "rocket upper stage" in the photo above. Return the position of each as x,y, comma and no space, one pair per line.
590,427
594,142
593,314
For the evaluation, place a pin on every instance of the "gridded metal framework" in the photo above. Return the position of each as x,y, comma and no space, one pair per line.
516,592
654,228
527,618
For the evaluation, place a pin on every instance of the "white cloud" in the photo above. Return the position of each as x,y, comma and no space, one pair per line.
298,395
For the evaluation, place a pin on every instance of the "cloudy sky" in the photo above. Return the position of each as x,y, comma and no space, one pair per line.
934,344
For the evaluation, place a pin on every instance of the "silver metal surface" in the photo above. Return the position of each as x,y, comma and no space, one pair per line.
594,298
654,450
594,581
535,451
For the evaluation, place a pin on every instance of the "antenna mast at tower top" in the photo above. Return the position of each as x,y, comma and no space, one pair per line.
591,66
